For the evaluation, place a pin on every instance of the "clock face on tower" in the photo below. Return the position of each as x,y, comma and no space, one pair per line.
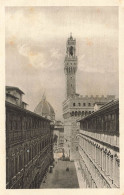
71,51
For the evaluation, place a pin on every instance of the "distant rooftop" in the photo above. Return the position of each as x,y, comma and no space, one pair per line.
8,94
100,103
14,88
109,103
25,103
58,123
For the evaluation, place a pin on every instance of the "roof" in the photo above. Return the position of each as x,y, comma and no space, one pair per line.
104,107
59,129
58,123
15,88
13,106
25,103
8,94
100,103
44,108
111,103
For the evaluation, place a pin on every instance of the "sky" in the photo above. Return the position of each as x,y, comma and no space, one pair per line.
36,47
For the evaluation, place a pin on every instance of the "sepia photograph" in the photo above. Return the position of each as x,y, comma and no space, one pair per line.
62,97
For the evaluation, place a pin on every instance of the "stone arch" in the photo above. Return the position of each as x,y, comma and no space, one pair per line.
85,113
109,153
72,113
79,113
82,113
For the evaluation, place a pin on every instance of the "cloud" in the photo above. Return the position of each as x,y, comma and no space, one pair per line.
55,53
36,59
36,47
41,24
40,58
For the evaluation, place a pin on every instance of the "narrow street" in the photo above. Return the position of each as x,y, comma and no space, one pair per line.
60,178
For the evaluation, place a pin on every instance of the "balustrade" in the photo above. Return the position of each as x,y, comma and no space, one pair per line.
112,140
98,157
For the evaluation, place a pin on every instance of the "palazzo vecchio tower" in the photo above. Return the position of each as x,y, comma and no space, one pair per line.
70,67
75,106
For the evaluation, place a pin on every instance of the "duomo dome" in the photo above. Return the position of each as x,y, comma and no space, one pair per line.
45,109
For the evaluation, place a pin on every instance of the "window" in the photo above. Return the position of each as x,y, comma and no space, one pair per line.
72,113
84,104
82,113
73,104
113,116
89,104
79,104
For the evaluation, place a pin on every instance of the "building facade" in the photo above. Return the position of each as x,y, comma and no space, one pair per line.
29,147
98,140
75,106
58,134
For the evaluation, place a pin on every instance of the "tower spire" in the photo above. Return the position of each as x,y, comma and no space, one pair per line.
44,95
70,35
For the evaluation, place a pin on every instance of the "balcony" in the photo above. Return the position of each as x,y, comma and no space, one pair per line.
14,137
109,139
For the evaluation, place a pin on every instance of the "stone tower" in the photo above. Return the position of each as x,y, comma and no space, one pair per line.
75,105
70,67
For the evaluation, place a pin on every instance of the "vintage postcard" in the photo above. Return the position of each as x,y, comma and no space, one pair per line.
62,93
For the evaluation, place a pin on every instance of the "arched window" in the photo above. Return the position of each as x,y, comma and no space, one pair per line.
73,113
85,113
82,113
76,148
89,104
73,104
79,113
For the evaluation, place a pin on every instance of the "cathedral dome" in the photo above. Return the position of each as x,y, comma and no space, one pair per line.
45,109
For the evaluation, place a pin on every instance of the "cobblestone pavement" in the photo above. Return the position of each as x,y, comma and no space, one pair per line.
60,178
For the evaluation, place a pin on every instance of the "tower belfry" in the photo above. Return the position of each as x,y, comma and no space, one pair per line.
70,66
